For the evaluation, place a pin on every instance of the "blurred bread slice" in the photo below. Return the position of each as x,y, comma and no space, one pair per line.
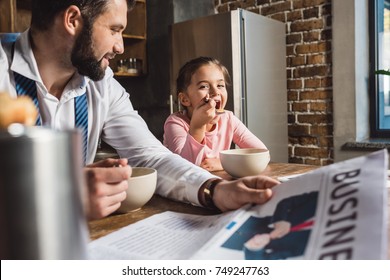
17,110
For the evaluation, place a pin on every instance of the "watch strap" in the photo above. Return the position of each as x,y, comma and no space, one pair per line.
208,194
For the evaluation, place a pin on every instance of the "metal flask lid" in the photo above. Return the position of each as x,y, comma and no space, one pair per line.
42,194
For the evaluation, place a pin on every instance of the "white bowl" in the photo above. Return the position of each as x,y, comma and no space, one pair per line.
142,185
244,162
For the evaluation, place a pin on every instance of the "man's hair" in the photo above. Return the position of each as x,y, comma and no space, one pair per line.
44,11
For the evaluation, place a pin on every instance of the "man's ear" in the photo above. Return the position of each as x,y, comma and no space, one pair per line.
72,19
184,100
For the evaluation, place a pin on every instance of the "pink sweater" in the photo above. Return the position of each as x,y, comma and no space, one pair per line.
229,129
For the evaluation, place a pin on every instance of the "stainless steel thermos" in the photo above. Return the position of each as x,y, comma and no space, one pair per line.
42,194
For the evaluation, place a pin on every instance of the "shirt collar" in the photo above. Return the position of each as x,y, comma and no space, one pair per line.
23,61
25,64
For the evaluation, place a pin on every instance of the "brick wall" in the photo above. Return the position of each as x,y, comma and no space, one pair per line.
309,72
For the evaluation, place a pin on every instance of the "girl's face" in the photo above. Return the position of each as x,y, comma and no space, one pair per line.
207,82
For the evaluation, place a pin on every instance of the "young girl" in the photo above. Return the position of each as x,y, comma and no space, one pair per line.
204,128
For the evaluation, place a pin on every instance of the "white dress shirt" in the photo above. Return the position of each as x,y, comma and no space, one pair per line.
111,117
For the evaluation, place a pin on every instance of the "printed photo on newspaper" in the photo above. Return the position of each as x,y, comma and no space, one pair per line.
338,211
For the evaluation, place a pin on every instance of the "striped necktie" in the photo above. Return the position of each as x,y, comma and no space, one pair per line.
26,86
81,119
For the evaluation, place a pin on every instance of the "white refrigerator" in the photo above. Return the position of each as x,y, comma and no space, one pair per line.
253,49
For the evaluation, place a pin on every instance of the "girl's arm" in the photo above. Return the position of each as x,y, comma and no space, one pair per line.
243,137
179,141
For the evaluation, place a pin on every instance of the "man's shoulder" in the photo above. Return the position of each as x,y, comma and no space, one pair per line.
5,51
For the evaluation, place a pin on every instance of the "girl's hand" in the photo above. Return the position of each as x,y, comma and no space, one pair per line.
204,112
203,119
211,164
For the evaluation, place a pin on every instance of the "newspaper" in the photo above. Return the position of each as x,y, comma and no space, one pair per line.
335,212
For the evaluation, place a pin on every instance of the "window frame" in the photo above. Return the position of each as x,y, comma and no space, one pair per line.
374,80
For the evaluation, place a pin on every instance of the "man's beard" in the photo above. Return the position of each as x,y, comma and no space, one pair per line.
82,55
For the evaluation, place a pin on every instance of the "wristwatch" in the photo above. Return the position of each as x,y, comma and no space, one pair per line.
208,193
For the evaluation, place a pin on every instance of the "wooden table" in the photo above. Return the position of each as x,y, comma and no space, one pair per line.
158,204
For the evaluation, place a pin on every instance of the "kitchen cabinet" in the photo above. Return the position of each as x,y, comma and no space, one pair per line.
16,17
134,40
